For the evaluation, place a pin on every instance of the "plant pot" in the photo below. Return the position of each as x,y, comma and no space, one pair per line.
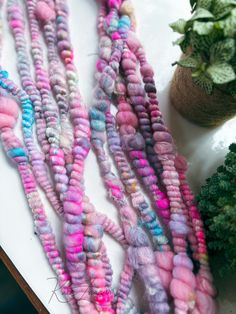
195,105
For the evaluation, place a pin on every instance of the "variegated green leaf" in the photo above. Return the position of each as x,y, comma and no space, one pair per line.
228,25
201,13
205,4
179,26
203,42
221,73
203,28
222,51
204,82
190,62
221,8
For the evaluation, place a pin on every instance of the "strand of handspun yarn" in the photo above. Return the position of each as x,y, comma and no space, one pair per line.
139,252
56,77
82,245
18,153
131,139
148,82
127,9
103,297
136,148
122,306
133,144
55,154
164,258
145,171
58,166
163,253
204,289
137,97
127,273
184,297
165,150
96,269
16,22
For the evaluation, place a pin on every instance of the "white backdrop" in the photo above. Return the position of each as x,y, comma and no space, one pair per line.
204,149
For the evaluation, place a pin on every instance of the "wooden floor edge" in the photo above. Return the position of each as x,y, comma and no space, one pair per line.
40,308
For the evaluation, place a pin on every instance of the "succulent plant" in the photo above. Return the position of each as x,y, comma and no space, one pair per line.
217,202
208,43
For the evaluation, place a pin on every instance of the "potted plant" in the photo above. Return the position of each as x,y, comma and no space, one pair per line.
204,85
217,202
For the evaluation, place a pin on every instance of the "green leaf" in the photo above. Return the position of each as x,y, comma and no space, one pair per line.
228,25
222,51
203,28
202,43
221,8
221,73
190,62
201,13
179,26
204,82
205,4
219,213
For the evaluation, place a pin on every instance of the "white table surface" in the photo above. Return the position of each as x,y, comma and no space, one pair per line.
204,148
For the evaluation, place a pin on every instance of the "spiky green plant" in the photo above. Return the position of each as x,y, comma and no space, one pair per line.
217,202
208,42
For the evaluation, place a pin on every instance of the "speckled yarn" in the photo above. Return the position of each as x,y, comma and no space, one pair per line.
136,152
56,77
51,112
18,153
183,286
204,301
148,216
140,255
133,144
182,289
205,289
73,229
149,115
101,290
114,143
16,22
